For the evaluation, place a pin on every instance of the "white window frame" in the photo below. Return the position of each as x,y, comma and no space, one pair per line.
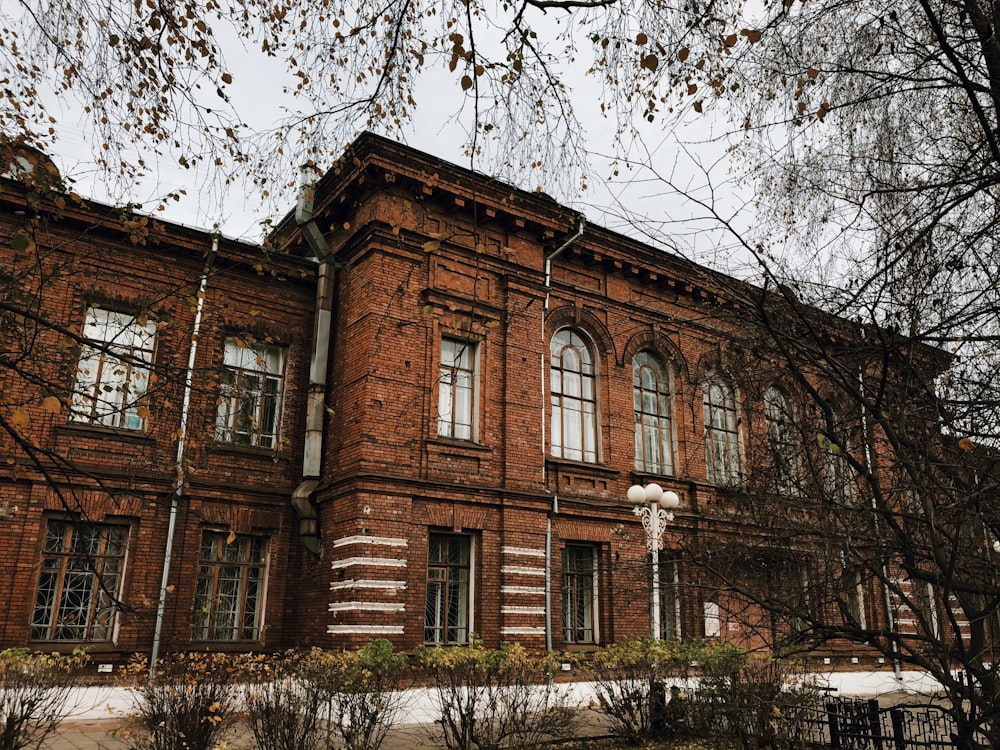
782,442
458,389
653,407
722,431
112,374
244,410
573,388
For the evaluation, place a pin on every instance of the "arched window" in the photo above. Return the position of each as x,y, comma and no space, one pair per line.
652,386
573,384
722,437
782,442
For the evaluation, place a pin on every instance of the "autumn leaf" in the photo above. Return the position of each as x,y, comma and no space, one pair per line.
466,83
753,35
812,73
641,38
650,63
231,538
683,53
52,405
966,444
20,417
431,245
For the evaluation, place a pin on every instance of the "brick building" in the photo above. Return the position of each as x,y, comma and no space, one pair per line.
414,413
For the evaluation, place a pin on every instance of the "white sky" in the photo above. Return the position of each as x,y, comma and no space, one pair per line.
639,202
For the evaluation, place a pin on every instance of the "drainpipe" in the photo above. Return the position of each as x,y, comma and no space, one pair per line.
545,479
161,606
315,402
869,458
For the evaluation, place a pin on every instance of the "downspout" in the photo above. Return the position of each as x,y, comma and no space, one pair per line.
545,480
161,605
865,438
316,399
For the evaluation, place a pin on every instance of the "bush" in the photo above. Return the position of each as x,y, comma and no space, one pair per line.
631,680
34,695
495,698
188,704
283,708
361,690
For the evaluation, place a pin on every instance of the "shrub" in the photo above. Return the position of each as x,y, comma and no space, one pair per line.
283,707
631,680
361,690
188,704
34,695
495,698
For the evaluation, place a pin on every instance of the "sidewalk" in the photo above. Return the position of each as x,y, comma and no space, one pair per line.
96,735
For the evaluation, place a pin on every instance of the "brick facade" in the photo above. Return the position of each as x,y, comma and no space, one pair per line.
422,251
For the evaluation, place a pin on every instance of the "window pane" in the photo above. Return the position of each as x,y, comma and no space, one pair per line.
229,590
579,597
79,584
250,394
112,374
574,398
446,610
456,389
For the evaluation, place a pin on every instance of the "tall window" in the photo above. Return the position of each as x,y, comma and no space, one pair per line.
449,568
782,442
579,590
670,601
250,399
457,389
836,469
229,598
651,396
113,372
80,582
574,397
722,438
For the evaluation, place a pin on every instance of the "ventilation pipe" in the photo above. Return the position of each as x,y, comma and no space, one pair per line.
316,399
555,498
161,605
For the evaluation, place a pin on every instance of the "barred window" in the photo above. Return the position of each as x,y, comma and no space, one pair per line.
447,605
579,590
229,598
80,582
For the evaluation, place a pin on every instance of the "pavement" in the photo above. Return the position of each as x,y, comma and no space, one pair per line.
100,734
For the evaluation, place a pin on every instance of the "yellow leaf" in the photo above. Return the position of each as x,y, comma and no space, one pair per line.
52,405
966,444
431,246
20,417
231,538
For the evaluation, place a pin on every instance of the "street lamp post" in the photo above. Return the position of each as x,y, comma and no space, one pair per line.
654,507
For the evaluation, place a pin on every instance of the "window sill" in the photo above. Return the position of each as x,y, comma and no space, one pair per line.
232,449
583,466
472,445
96,430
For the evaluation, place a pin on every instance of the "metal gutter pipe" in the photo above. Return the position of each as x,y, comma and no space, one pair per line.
161,605
312,459
545,479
